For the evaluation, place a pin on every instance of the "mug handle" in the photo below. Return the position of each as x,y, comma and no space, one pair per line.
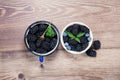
41,59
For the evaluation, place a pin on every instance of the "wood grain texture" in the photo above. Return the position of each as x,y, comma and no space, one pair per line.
102,16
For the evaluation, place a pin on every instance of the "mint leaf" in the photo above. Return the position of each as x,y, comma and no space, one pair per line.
80,34
70,35
77,39
49,31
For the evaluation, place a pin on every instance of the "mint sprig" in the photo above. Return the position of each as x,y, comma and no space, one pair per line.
49,31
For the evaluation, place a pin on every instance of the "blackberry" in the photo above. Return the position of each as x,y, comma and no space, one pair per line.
91,53
31,37
75,31
69,28
72,42
84,29
76,26
65,38
32,46
47,39
43,27
52,44
83,40
34,29
84,46
39,42
38,34
78,48
46,45
96,44
40,50
73,48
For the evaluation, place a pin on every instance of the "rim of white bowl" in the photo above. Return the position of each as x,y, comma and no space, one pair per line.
75,52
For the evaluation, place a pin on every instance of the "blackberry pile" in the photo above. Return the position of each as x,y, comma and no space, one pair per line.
38,44
95,46
76,37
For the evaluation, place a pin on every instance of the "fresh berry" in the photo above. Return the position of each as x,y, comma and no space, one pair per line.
83,40
72,42
84,46
96,44
32,46
78,48
43,27
65,38
68,47
46,46
76,26
87,34
47,39
39,42
89,39
75,31
73,48
69,28
38,34
52,44
84,29
66,44
40,50
31,37
34,29
64,34
91,53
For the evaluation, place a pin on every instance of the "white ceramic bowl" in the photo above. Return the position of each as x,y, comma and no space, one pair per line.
76,52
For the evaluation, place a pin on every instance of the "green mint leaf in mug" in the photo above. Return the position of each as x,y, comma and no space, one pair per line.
80,34
50,32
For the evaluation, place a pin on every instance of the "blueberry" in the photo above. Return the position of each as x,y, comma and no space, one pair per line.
68,47
75,31
34,29
39,42
66,44
87,34
72,42
64,34
46,45
96,44
32,46
89,39
78,48
84,29
91,53
65,38
83,40
40,50
31,37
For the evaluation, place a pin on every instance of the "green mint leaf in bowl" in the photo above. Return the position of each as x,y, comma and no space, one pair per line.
80,34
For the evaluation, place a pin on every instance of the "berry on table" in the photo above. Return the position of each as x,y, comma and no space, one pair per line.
91,53
96,44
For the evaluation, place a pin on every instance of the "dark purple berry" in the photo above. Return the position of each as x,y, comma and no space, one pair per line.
65,38
83,40
78,48
39,42
84,46
31,37
84,29
40,50
75,31
69,28
91,53
46,46
96,44
32,46
72,42
38,34
53,44
76,26
48,39
33,29
43,27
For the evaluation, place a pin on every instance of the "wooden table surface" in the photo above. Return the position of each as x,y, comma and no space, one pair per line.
102,16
